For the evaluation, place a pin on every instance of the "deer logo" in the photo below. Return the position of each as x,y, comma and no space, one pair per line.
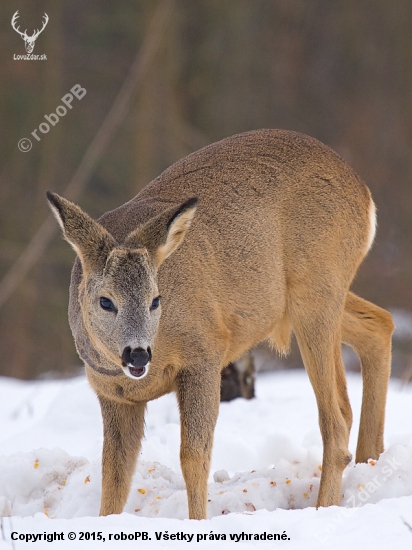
29,41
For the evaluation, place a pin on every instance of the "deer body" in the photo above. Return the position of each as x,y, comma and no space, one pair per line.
281,227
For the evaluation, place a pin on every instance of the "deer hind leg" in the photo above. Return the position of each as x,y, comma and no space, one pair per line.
341,389
368,330
319,340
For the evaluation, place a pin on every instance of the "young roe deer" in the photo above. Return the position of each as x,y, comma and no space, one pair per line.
281,226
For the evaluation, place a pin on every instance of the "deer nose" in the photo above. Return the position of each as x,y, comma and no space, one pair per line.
137,357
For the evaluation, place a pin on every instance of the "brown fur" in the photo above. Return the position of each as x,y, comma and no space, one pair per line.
281,227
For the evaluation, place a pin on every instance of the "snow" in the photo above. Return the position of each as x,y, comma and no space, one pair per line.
263,481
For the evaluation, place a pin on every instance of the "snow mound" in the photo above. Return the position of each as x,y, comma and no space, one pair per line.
60,486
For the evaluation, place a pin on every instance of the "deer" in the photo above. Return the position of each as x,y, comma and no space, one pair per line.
249,239
29,41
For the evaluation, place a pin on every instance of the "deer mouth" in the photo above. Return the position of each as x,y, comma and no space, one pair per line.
138,372
135,362
135,372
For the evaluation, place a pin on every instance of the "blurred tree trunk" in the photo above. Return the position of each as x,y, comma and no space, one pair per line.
24,361
159,132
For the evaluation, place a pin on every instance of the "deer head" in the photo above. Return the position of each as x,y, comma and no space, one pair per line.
120,301
29,41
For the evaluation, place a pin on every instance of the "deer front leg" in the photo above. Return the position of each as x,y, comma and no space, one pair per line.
122,433
199,397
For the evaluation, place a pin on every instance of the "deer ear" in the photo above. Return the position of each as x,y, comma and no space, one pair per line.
163,234
91,241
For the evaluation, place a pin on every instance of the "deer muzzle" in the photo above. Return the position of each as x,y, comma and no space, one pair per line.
136,362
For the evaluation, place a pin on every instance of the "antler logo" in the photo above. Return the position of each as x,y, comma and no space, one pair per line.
29,41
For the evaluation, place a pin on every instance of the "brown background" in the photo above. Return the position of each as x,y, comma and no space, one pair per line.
340,71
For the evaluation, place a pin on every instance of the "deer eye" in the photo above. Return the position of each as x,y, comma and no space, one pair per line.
107,304
155,303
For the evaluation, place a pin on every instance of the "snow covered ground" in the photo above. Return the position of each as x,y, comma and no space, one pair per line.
264,476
